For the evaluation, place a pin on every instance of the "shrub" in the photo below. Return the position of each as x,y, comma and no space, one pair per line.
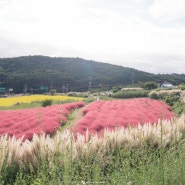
53,92
78,94
47,102
179,108
153,95
116,89
171,100
182,87
150,85
130,94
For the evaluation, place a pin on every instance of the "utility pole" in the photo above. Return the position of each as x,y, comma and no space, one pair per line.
25,89
51,84
107,87
133,75
67,88
90,84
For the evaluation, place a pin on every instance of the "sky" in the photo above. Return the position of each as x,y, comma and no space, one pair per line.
147,35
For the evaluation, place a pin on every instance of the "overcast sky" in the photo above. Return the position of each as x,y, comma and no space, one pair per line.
148,35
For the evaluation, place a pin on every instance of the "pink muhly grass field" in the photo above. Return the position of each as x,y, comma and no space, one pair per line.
35,121
121,113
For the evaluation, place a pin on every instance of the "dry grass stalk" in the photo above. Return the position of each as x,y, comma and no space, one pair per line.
64,144
183,96
167,92
3,149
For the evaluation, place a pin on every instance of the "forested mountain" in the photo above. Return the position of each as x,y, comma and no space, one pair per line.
41,73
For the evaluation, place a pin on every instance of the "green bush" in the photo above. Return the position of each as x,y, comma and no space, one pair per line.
78,94
182,87
172,100
150,85
130,94
116,89
179,108
53,92
47,102
153,95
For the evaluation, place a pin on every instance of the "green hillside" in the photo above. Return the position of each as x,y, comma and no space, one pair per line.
41,73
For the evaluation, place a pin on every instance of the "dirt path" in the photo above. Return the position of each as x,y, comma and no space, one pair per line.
76,116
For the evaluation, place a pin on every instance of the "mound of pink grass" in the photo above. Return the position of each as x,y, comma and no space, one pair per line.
35,121
110,114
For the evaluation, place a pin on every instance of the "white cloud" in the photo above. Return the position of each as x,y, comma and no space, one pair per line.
138,1
168,10
91,29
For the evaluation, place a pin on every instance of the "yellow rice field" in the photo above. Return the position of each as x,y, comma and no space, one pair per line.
9,101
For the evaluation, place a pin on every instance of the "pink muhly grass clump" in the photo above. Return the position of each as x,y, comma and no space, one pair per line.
43,147
35,121
101,115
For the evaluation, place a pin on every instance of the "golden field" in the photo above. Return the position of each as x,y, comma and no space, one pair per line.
9,101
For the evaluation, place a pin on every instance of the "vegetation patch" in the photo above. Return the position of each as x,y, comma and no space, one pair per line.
130,94
174,98
111,114
10,101
142,143
47,102
27,122
148,154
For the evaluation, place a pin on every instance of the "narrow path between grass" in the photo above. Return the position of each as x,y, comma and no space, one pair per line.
77,115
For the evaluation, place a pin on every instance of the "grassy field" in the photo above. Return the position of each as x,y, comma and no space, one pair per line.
143,155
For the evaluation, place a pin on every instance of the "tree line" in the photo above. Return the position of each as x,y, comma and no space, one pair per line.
41,73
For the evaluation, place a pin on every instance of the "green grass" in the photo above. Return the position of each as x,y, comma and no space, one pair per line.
130,94
22,106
